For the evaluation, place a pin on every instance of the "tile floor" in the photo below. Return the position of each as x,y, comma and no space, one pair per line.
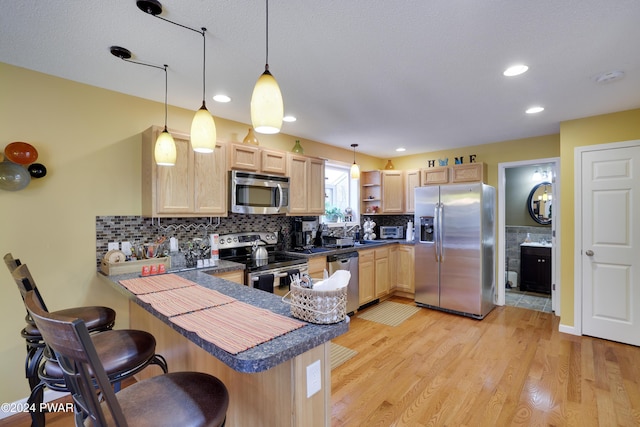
530,300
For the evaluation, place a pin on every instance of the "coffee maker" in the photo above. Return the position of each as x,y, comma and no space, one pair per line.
304,232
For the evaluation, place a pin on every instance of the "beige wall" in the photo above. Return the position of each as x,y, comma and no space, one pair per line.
89,140
622,126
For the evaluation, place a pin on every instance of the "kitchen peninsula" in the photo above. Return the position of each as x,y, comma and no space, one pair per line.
267,383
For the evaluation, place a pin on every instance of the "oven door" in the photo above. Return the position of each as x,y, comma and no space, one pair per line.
280,276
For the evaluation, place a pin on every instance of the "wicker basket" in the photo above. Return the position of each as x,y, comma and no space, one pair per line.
323,307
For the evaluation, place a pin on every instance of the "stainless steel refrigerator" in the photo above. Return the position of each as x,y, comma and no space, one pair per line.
455,248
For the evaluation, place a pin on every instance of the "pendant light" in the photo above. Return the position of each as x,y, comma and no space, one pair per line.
355,169
203,128
267,108
165,149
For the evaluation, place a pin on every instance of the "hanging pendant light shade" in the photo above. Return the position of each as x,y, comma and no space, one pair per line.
165,149
355,169
203,128
267,107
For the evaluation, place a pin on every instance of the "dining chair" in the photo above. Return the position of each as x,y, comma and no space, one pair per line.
175,399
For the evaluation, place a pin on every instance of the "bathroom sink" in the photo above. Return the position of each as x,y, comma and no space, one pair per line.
537,244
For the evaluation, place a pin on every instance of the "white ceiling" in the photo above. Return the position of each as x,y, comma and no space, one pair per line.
425,75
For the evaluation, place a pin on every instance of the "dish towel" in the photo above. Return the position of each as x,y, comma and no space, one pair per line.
285,282
265,283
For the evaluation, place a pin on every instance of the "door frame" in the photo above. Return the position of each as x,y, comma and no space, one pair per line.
555,225
577,253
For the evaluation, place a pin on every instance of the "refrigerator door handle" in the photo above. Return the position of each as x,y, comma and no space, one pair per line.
436,227
440,232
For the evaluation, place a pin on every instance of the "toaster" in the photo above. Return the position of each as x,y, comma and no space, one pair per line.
391,232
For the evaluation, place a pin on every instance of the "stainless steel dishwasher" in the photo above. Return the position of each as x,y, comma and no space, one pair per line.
347,261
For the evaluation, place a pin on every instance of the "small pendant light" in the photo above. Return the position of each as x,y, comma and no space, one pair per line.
165,149
355,169
203,128
267,108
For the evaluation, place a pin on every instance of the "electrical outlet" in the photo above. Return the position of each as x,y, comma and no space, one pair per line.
113,246
314,378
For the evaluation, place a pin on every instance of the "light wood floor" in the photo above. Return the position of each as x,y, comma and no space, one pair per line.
512,368
439,369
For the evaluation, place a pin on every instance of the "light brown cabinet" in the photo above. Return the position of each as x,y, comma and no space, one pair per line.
472,172
435,176
195,186
366,276
306,186
236,276
382,275
403,268
392,191
412,180
256,159
317,265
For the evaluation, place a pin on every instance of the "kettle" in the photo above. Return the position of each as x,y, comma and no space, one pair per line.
259,252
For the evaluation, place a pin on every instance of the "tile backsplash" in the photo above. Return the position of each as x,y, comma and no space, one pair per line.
139,230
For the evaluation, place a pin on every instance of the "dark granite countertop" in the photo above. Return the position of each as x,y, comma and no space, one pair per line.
263,356
369,244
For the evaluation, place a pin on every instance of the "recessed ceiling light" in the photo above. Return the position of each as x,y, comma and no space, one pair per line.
534,110
400,149
609,76
221,98
515,70
289,119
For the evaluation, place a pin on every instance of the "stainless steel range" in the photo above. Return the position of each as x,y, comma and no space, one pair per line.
270,274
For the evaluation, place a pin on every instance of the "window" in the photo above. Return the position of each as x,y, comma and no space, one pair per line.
341,194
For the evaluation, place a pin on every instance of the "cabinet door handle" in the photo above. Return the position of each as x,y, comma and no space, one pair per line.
589,252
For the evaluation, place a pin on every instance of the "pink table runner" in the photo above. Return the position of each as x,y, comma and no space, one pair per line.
163,282
237,326
185,300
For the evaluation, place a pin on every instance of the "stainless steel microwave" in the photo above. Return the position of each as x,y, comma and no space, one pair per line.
254,193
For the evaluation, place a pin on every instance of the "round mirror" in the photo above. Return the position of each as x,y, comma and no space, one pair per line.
540,203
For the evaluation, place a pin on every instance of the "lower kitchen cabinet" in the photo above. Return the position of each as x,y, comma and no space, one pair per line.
236,276
367,276
535,269
317,265
402,268
382,279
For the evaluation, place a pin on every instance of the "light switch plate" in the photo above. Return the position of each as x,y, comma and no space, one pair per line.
113,246
314,378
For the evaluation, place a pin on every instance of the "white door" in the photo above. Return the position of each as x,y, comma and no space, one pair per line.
610,253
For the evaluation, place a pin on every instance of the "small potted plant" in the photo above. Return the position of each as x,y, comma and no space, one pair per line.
333,213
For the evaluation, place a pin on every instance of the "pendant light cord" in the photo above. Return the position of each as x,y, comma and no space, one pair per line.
204,62
166,90
266,61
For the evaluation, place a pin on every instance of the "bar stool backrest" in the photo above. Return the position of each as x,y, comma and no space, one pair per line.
24,280
70,340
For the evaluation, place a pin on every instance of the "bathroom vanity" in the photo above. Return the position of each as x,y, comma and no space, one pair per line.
535,267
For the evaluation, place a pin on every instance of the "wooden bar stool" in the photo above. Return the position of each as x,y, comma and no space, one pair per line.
176,399
97,318
122,352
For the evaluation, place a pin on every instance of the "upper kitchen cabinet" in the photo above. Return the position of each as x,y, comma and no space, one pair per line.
256,159
411,181
392,191
195,186
306,185
471,172
382,192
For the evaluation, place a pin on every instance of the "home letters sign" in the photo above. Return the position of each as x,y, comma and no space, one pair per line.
445,162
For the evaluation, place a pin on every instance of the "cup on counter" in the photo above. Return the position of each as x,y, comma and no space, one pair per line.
153,269
161,269
145,270
200,263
